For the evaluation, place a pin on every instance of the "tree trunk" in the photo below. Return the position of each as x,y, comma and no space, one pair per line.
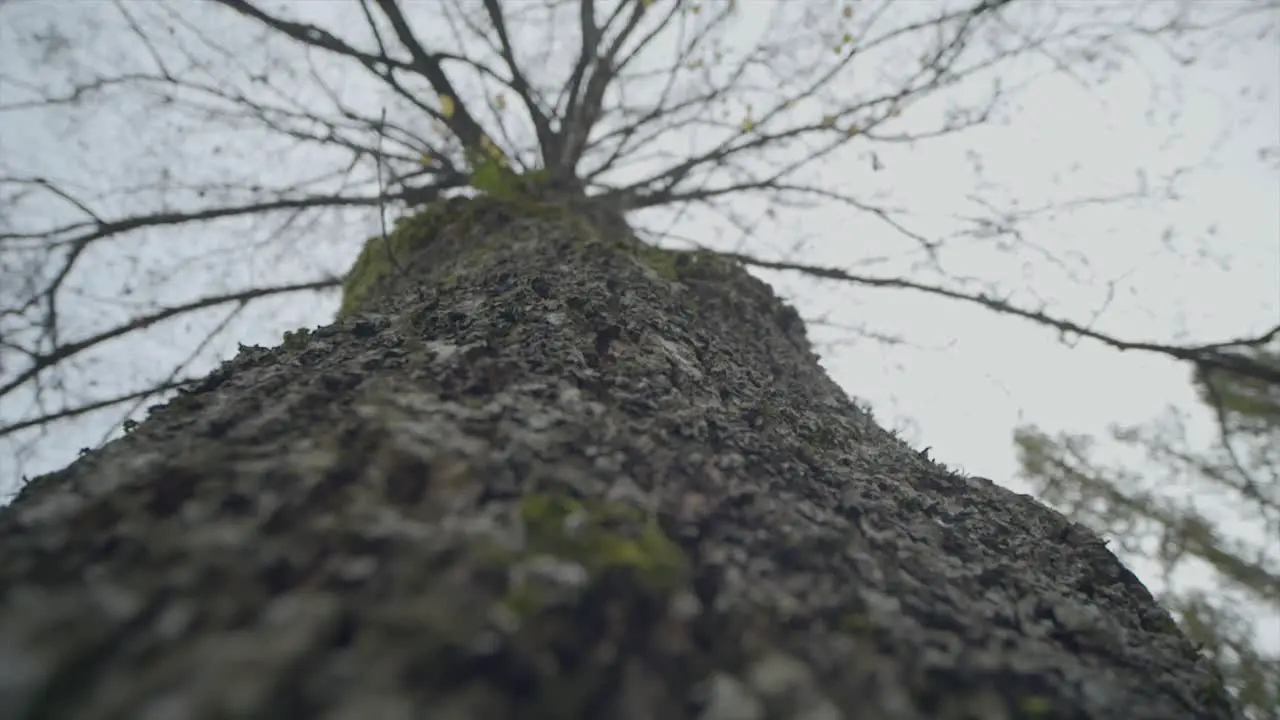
549,473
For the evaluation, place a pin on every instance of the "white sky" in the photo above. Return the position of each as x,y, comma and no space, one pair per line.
968,376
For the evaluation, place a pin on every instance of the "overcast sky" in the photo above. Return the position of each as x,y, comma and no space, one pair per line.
967,377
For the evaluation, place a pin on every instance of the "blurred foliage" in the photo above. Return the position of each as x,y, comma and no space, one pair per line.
1208,509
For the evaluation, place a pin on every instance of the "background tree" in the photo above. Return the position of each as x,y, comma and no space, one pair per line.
1204,513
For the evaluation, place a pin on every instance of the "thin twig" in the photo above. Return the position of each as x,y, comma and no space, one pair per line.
382,208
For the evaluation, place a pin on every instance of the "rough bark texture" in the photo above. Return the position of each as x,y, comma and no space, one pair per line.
555,475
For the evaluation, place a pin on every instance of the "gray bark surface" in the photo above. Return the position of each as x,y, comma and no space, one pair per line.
550,474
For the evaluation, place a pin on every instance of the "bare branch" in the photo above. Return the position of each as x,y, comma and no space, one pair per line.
585,111
93,406
460,121
527,95
70,349
1203,356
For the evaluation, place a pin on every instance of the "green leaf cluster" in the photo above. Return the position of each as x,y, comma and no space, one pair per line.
495,179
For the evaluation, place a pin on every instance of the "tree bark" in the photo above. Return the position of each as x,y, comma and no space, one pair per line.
549,473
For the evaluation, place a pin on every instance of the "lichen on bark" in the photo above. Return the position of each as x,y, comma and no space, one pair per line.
535,476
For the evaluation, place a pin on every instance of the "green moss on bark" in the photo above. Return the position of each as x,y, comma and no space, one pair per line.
677,265
602,536
374,264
